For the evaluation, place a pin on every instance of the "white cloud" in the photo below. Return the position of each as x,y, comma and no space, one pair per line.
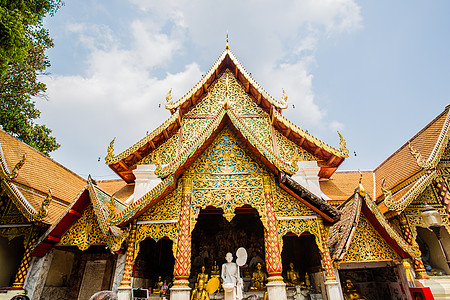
119,92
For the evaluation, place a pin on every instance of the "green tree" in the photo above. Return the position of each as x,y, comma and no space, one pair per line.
16,17
23,41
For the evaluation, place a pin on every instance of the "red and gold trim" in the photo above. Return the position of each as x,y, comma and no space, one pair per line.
129,258
183,257
326,258
273,255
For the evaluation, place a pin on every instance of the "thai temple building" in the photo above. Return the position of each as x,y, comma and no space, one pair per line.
228,173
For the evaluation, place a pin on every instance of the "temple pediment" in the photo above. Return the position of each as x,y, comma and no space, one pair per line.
227,90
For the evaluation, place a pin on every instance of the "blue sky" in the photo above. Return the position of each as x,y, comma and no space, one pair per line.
378,71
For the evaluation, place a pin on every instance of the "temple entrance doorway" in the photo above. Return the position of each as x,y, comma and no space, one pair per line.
374,280
155,260
302,267
213,237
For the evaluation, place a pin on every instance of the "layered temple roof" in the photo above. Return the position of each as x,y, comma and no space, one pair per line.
202,109
413,167
99,207
27,176
359,215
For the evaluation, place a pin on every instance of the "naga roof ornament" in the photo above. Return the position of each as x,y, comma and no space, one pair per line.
169,99
43,211
15,171
424,164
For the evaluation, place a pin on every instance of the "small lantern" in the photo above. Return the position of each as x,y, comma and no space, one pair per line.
431,217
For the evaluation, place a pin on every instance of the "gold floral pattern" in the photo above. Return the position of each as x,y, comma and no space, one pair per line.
85,232
368,245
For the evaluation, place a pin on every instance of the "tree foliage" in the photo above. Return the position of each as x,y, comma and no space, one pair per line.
23,41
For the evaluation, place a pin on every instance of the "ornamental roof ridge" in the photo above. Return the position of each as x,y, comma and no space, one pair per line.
111,158
212,70
341,153
412,250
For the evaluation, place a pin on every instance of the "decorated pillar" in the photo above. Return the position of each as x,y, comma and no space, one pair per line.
418,264
180,289
25,262
326,258
333,287
124,290
276,288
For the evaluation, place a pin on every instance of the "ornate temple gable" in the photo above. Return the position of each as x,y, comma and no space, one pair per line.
255,118
367,245
92,203
85,232
226,176
360,214
252,106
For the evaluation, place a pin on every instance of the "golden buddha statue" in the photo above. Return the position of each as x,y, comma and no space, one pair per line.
215,270
292,276
350,292
259,278
158,285
202,275
200,293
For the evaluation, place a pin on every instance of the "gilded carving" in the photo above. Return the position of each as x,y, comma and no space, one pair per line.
85,232
287,150
156,232
226,87
166,209
368,245
225,176
298,227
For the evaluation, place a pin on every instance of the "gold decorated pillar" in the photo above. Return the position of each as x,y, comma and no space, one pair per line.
180,289
25,262
276,288
129,258
272,247
183,256
418,264
326,258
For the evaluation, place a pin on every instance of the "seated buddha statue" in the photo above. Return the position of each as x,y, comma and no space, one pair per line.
158,285
350,292
200,293
292,276
215,270
202,276
259,278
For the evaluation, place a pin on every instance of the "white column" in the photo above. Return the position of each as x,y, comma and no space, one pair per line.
37,275
145,180
308,176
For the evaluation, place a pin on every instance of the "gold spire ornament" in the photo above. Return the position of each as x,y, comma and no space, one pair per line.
362,191
227,47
